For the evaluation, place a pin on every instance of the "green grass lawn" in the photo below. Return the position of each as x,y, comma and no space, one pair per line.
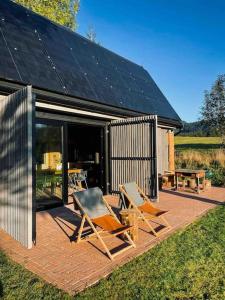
188,265
18,283
197,143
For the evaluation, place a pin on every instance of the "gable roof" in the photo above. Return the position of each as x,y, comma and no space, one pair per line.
34,50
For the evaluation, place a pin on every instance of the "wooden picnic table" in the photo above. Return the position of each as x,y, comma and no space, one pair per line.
192,174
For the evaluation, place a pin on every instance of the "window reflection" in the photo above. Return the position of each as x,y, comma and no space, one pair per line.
48,165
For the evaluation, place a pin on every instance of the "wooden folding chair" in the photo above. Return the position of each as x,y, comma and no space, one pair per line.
98,213
137,199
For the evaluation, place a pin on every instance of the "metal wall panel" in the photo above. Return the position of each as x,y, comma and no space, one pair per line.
16,166
163,150
133,153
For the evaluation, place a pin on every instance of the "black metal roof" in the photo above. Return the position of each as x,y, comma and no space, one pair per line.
34,50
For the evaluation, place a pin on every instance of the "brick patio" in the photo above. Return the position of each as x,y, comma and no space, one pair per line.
72,267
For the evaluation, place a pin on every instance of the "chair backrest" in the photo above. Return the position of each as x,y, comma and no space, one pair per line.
81,176
92,202
133,193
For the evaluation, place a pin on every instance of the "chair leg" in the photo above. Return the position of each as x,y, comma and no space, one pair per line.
104,245
100,238
81,229
149,225
129,239
152,229
165,221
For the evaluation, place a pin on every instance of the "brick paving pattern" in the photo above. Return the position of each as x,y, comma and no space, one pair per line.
72,267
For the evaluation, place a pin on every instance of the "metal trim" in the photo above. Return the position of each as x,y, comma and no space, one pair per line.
56,98
74,111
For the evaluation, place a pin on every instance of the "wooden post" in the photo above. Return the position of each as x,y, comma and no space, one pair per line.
171,151
129,218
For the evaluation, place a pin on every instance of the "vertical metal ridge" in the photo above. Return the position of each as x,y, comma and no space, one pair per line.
16,164
133,153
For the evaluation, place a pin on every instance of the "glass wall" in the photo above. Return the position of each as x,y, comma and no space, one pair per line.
48,165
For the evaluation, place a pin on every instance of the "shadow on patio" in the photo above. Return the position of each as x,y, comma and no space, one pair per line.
193,196
72,267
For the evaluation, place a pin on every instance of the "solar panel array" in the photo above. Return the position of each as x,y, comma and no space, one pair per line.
35,51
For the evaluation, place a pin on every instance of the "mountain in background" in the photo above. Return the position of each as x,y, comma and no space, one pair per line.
198,128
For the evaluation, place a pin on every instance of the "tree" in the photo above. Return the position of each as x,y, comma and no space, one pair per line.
197,128
91,35
60,11
213,109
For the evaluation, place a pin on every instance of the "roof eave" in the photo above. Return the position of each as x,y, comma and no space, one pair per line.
7,86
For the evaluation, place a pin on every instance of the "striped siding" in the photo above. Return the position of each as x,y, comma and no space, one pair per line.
133,153
16,193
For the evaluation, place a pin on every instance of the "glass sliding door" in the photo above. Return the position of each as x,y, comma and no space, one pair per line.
49,183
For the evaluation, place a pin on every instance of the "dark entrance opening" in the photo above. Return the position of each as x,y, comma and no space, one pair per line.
62,151
85,152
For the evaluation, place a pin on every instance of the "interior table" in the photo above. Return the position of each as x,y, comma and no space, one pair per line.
192,174
70,171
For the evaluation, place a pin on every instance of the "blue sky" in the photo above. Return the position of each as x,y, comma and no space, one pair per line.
180,42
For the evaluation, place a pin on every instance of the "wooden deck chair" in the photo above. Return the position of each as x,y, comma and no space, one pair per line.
98,213
138,200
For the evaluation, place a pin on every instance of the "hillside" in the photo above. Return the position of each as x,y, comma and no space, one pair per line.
197,128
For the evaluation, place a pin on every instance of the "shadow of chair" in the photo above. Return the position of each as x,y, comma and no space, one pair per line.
194,197
66,217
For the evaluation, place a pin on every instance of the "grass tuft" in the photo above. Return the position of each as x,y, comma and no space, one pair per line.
201,159
18,283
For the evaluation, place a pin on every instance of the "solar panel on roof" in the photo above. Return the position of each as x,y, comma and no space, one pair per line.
33,50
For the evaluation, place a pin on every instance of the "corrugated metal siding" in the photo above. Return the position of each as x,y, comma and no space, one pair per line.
163,150
16,167
133,153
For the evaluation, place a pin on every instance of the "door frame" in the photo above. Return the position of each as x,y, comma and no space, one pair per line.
47,117
62,127
103,137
